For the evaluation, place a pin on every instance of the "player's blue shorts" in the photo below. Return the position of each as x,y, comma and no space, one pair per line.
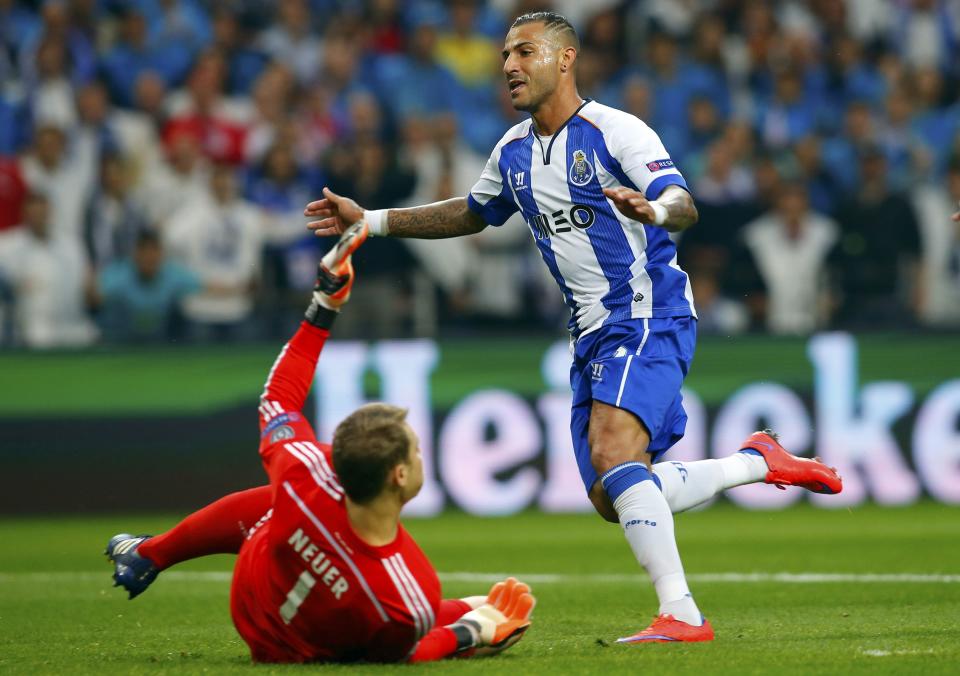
639,366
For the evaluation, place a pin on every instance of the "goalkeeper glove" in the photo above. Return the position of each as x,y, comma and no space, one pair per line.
335,277
499,622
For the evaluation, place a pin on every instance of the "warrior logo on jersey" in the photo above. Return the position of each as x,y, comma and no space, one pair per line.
581,171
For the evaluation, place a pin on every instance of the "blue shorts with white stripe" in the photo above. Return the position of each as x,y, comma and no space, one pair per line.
639,366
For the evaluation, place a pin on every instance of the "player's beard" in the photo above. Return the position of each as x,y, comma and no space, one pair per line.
530,100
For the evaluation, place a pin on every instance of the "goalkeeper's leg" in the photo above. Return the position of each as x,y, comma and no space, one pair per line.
218,528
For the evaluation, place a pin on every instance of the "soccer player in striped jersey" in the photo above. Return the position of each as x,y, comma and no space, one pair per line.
326,571
600,194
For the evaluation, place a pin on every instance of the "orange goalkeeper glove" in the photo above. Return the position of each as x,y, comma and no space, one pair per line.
335,276
502,620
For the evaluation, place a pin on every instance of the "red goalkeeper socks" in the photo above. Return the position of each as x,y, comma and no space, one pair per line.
218,528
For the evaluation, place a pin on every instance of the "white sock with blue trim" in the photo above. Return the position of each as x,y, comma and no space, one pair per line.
688,484
648,526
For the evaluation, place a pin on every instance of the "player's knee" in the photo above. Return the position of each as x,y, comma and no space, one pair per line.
614,441
606,451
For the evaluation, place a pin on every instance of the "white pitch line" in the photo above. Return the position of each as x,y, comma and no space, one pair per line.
888,653
544,578
788,578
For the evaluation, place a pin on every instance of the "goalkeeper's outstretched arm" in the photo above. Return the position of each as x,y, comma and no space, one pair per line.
450,218
290,378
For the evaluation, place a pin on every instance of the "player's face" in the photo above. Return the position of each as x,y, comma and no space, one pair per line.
414,473
531,65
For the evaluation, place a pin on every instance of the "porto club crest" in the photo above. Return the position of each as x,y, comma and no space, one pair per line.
581,171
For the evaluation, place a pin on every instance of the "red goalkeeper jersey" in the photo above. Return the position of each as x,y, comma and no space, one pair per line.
305,586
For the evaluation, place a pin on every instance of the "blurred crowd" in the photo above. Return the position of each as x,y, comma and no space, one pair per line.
156,156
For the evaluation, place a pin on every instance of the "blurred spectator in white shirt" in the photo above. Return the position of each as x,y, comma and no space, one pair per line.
219,238
926,32
66,177
868,20
48,276
441,173
179,180
51,94
481,275
790,246
940,237
105,130
292,41
273,100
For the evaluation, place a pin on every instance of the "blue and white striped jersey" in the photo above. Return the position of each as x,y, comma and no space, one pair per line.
609,267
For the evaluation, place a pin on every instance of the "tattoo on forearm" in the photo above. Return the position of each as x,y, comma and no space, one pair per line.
450,218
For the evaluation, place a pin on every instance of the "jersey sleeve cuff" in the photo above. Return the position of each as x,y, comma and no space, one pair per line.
658,185
489,212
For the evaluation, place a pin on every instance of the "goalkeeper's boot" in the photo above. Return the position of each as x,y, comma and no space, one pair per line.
131,571
335,274
667,629
786,469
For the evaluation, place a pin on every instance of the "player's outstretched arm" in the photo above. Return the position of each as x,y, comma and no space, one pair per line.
673,211
450,218
292,373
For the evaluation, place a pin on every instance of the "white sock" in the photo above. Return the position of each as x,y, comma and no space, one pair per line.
688,484
648,526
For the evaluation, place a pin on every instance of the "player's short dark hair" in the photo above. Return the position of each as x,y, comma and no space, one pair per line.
367,444
552,21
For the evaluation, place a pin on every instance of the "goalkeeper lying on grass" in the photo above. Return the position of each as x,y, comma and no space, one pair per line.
325,570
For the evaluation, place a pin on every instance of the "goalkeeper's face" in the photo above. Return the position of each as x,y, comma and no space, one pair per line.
410,473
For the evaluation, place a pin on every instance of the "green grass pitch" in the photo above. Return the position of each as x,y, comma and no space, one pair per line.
59,615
